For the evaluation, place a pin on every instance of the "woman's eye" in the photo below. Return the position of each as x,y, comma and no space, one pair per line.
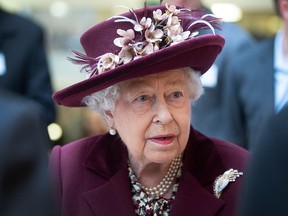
177,94
142,98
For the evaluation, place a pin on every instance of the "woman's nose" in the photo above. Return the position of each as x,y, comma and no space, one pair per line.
162,113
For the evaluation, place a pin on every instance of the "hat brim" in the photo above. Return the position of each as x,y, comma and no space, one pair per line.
198,53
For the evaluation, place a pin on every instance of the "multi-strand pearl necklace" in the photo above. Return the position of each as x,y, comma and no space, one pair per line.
166,182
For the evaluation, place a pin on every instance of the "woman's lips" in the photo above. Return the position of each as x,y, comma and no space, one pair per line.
163,139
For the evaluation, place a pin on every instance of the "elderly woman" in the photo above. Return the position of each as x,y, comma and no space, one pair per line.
143,71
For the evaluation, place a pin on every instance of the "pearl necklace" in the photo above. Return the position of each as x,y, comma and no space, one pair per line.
165,184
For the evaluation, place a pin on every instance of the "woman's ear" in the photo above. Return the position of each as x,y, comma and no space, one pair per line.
109,118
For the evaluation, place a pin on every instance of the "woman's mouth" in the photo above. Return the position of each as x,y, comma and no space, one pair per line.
163,139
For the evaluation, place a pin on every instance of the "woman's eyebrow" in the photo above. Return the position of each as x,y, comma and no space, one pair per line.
176,82
138,83
146,84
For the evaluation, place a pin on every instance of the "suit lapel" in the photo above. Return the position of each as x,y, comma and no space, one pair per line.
267,75
264,70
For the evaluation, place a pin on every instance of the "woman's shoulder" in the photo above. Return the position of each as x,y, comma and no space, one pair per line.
77,145
75,150
231,154
229,146
82,142
226,150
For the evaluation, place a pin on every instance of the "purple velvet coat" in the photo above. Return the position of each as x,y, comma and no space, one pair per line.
92,177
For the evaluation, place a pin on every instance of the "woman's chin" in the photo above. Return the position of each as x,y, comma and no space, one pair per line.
162,157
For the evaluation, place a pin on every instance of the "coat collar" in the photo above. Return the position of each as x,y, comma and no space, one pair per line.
201,165
201,158
193,199
107,156
113,197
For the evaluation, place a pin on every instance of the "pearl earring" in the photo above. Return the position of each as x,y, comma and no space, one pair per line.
112,131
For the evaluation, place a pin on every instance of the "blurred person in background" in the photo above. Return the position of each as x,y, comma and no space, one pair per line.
26,109
24,180
143,70
208,111
257,85
265,188
23,63
265,191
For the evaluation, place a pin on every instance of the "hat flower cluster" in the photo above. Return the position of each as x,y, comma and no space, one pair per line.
148,35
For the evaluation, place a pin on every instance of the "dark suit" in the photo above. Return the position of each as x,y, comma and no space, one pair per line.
91,177
24,145
26,108
21,42
207,111
249,94
266,188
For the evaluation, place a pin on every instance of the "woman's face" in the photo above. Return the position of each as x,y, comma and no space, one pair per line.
152,116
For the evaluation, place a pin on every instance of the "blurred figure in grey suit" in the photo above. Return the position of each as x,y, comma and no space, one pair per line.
257,85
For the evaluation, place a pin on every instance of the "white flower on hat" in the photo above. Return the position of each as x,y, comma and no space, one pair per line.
146,50
158,16
172,21
180,37
107,62
126,39
153,35
146,22
172,9
176,34
126,54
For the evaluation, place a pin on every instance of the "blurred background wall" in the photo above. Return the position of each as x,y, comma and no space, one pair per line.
65,20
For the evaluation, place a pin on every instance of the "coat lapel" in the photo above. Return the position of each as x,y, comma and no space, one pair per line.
112,198
193,199
201,166
108,161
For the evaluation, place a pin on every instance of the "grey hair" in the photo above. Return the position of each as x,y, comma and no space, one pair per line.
194,82
105,99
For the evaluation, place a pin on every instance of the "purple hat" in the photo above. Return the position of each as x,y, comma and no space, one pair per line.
142,42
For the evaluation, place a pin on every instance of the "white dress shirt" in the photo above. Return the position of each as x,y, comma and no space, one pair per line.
281,72
2,64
